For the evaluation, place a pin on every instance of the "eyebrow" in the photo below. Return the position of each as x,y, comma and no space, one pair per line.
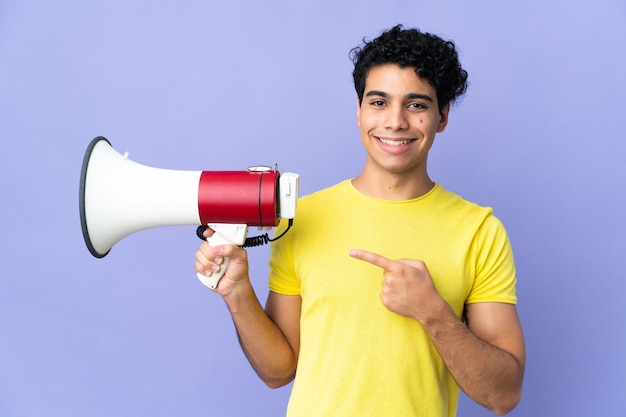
410,96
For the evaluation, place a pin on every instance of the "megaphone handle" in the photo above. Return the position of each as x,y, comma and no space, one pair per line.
215,277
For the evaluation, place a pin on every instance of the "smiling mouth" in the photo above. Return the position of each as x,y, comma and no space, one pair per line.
392,142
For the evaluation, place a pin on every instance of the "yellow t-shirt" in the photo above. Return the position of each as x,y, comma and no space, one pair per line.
356,357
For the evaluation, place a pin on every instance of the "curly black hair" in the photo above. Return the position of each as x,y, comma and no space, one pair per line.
432,57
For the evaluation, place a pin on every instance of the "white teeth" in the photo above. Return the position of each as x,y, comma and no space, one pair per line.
395,142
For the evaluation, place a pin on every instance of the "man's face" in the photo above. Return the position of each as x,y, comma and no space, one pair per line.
398,119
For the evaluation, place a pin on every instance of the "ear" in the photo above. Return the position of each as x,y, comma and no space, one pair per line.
443,121
358,112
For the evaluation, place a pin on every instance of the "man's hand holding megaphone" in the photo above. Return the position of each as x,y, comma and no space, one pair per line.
229,261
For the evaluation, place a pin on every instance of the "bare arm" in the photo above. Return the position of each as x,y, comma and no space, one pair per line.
486,357
269,340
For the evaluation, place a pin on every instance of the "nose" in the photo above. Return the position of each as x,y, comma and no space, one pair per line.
396,119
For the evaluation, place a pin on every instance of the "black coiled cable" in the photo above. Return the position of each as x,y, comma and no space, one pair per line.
256,241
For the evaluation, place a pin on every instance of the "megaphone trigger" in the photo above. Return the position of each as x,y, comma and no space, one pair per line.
200,232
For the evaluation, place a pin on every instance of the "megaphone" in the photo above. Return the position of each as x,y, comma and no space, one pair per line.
119,197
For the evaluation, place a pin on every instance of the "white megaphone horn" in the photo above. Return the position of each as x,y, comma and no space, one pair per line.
119,197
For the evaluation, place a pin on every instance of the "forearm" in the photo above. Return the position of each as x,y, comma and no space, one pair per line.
263,343
489,375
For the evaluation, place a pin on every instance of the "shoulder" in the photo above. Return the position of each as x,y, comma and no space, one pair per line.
334,193
336,189
458,209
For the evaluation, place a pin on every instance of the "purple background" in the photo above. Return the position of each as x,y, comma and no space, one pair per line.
205,86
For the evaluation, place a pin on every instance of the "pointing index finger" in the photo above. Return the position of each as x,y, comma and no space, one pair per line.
373,258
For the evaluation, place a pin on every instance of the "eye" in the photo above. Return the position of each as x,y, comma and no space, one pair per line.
377,103
417,106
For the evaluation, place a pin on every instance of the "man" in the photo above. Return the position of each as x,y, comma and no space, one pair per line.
389,292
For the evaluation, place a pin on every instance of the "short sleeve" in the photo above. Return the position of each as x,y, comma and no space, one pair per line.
282,275
495,278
